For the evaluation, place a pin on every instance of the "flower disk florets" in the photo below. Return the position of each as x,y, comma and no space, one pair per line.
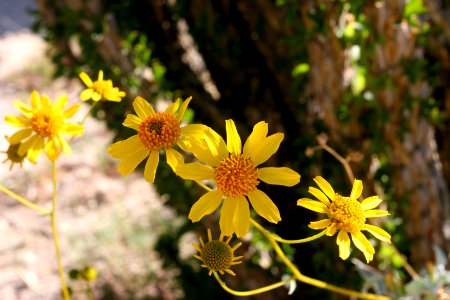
45,124
159,131
347,214
217,255
236,176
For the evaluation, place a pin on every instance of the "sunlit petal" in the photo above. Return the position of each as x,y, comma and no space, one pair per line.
363,244
234,145
255,138
356,189
313,205
132,121
370,202
142,108
281,176
264,206
320,224
207,204
378,233
325,186
150,166
319,195
267,148
376,213
343,241
195,171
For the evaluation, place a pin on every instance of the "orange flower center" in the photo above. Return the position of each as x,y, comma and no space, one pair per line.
159,131
236,176
45,124
347,214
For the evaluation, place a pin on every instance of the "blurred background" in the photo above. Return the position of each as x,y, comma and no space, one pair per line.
373,76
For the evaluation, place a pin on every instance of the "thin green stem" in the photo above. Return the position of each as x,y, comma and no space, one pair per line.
251,292
308,280
65,291
88,112
305,240
24,201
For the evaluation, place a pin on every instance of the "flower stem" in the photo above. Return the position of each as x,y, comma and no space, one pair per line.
305,240
341,159
24,201
88,112
251,292
65,291
308,280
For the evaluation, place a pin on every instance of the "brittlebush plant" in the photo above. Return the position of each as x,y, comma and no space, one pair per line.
229,171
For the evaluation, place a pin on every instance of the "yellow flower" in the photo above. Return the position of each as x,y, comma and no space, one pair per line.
347,215
155,132
235,173
13,156
44,124
100,89
217,255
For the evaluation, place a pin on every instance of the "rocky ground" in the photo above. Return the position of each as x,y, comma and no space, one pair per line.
104,220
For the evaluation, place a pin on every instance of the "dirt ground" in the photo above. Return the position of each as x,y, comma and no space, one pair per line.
104,219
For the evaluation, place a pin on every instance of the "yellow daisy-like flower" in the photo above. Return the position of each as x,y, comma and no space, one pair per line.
235,173
44,126
347,215
155,132
100,89
217,255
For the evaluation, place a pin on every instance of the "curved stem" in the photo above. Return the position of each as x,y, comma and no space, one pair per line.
406,265
308,280
24,201
251,292
342,160
65,291
88,112
308,239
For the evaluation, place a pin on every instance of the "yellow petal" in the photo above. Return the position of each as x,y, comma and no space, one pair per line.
130,162
25,146
35,149
216,144
267,148
343,241
183,108
313,205
71,111
19,136
96,96
325,186
200,150
123,148
331,230
132,121
72,129
151,165
281,176
35,100
227,216
378,233
319,195
17,121
258,135
264,206
194,130
207,204
363,244
64,145
172,108
234,145
356,189
376,213
320,224
86,94
45,101
195,171
52,149
241,221
60,102
100,75
370,202
24,108
174,158
86,79
142,108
